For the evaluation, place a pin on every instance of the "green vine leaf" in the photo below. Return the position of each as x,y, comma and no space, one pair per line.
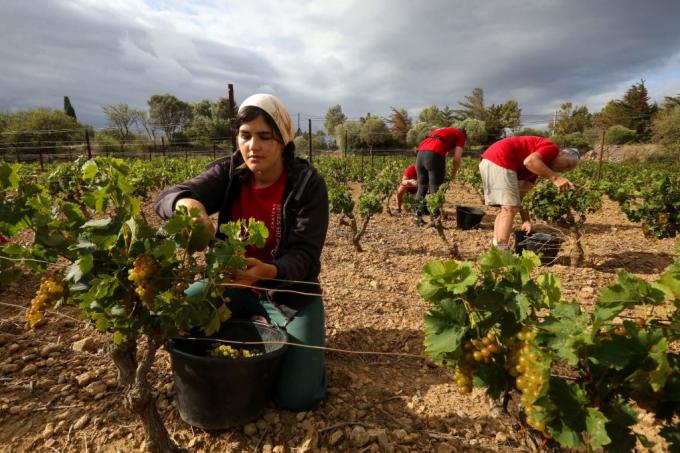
618,352
568,329
80,267
595,425
627,292
552,288
445,327
570,411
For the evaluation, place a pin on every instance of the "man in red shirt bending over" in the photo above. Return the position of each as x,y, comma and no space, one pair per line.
509,169
431,160
409,183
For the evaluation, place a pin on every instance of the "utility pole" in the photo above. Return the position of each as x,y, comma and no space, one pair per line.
554,131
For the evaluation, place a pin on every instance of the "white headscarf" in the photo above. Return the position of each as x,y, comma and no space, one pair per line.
275,108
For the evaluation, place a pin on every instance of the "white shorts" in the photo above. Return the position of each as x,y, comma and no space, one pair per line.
501,187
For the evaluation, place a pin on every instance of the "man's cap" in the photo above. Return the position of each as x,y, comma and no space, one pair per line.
275,108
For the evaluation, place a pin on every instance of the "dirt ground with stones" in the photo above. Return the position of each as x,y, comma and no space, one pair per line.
58,388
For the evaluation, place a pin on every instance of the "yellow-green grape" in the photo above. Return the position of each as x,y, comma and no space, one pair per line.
525,363
143,274
228,352
51,289
463,375
476,351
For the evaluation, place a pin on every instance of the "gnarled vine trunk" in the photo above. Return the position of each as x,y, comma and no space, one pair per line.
573,227
132,375
452,247
576,253
357,232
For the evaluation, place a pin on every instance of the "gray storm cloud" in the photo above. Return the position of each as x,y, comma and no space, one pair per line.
366,56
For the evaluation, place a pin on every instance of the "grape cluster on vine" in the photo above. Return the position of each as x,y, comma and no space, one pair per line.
477,350
530,374
143,274
51,289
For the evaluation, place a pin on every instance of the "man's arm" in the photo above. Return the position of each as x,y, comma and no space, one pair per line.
457,155
524,188
534,163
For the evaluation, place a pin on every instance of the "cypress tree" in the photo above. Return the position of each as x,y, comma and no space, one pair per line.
68,108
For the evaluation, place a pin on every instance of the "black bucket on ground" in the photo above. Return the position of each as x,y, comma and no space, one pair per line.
468,217
217,393
545,245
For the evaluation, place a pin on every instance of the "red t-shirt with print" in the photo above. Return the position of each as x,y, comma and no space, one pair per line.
264,204
442,140
411,173
510,153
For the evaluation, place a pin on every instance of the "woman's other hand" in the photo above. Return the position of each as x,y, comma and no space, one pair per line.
255,270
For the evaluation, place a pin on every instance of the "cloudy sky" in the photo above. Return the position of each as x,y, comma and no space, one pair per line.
366,55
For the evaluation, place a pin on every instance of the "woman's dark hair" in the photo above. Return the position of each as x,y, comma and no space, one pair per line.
249,113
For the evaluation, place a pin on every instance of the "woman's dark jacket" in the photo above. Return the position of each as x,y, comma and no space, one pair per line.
305,221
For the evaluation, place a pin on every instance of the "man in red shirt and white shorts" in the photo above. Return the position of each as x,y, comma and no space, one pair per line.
509,169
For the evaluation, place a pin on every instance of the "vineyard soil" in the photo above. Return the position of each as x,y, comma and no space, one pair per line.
58,387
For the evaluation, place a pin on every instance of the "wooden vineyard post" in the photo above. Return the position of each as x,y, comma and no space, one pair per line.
231,117
310,140
362,165
87,142
346,145
346,150
40,155
599,166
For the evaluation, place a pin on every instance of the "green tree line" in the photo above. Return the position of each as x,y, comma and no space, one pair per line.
631,119
167,120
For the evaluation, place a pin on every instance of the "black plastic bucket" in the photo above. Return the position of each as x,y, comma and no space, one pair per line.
545,245
217,393
467,217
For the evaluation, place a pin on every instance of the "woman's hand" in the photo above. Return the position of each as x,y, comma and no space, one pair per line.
190,203
255,270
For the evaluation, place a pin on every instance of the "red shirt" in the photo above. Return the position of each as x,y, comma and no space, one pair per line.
510,153
441,141
264,204
411,173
